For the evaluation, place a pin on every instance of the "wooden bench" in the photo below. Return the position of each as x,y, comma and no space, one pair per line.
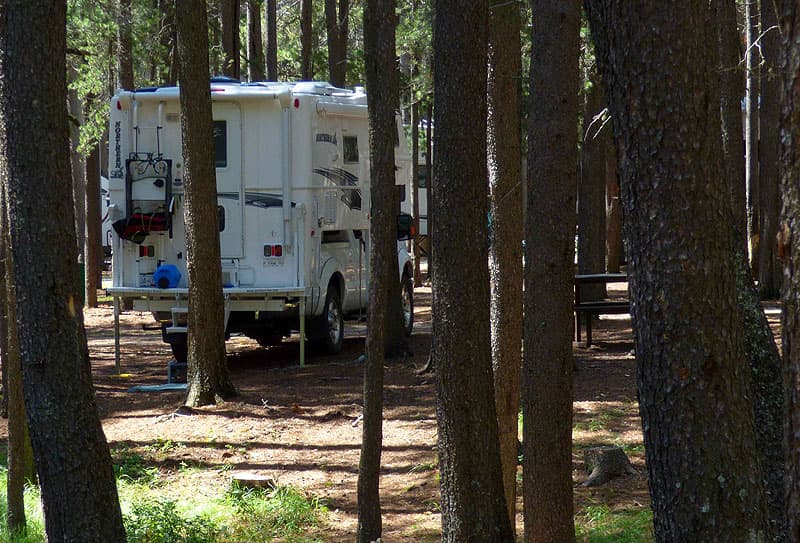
586,310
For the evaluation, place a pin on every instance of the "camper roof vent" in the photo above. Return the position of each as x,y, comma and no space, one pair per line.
224,79
322,88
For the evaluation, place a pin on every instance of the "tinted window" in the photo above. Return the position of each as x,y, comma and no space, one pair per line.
221,143
350,144
422,177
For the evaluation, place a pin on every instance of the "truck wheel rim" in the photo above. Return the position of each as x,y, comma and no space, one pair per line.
334,327
406,306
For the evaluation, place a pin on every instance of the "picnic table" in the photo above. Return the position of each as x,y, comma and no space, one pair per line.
586,309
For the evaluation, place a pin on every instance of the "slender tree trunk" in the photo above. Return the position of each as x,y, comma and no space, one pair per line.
789,249
613,210
382,96
752,78
592,190
208,376
503,138
336,19
255,49
79,495
473,502
94,248
731,82
769,272
415,186
230,16
124,45
429,178
272,40
78,167
689,336
306,41
550,234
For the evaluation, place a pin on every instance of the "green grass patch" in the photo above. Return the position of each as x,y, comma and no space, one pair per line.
599,524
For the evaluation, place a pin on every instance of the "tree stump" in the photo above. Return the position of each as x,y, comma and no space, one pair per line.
249,479
605,463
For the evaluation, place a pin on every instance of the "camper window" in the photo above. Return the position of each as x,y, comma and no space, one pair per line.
402,190
422,177
221,217
350,149
221,144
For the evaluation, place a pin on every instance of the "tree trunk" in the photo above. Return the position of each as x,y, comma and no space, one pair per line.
688,329
613,210
306,41
550,249
731,82
789,248
473,503
229,19
503,140
752,78
592,191
124,46
415,192
272,40
79,495
94,249
769,272
429,178
208,370
336,20
255,49
382,96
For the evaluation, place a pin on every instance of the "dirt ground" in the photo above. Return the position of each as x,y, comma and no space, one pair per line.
300,425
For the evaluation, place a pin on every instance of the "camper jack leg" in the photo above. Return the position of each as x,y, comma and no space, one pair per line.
302,331
116,334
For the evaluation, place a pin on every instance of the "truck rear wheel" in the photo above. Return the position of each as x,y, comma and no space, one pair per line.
407,302
330,324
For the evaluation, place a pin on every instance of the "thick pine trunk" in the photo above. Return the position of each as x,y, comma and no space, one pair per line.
690,342
550,234
124,46
74,465
473,503
752,78
503,140
208,371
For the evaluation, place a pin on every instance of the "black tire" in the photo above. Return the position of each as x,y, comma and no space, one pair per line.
329,329
180,349
407,303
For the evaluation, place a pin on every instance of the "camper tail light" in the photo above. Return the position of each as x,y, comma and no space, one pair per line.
273,250
147,251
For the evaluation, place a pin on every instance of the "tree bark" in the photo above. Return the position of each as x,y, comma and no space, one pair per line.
306,41
473,503
688,329
503,142
272,40
93,253
769,272
415,192
124,46
336,19
208,376
752,78
789,248
382,96
79,495
592,190
230,16
255,49
549,253
613,210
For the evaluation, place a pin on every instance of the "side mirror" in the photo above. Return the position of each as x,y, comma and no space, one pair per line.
405,227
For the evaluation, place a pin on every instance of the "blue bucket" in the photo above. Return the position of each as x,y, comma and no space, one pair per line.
167,276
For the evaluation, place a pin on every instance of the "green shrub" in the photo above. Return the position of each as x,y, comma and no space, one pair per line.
159,521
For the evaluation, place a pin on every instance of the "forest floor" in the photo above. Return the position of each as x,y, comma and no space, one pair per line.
301,425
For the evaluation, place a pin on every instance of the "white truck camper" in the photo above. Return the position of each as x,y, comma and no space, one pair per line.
293,188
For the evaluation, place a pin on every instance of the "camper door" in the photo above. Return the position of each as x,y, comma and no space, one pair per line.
228,160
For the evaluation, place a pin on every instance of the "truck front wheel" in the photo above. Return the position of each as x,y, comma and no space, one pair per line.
407,301
330,325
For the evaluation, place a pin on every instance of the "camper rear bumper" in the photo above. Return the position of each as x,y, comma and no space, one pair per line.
273,299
